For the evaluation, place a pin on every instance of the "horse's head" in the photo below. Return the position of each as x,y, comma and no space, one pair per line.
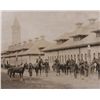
24,66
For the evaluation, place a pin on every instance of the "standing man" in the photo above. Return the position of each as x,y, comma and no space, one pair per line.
30,68
98,69
76,69
40,62
47,67
57,64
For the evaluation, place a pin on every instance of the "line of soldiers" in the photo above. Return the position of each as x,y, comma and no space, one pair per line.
39,66
81,67
70,66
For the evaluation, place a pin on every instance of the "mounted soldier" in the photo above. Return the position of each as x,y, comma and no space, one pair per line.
68,65
38,65
86,68
82,67
26,65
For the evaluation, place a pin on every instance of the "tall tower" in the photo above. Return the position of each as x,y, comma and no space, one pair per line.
16,32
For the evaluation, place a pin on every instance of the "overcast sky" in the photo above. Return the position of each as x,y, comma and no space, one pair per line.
35,23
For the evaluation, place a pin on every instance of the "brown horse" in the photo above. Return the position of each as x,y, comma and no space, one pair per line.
20,70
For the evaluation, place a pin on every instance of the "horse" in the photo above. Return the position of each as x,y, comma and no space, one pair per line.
75,69
19,70
39,68
54,67
63,68
46,68
69,66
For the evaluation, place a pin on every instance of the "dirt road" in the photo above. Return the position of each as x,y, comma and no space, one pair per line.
50,82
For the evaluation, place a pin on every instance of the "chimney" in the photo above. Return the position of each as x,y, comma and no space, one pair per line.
79,24
36,39
42,37
19,43
30,41
24,42
92,20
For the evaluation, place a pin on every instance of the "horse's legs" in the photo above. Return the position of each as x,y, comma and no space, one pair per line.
21,76
46,74
36,70
40,72
98,74
13,74
36,73
10,75
67,71
59,72
64,71
70,70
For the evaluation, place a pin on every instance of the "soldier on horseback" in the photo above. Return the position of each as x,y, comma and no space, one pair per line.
68,65
38,65
82,67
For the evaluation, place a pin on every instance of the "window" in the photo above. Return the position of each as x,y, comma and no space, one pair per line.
74,57
78,57
55,57
94,56
76,38
85,57
98,55
71,57
68,57
52,58
81,56
65,58
97,34
62,58
48,58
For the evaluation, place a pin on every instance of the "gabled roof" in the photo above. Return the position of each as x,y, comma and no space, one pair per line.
50,47
87,30
32,51
41,43
90,39
64,36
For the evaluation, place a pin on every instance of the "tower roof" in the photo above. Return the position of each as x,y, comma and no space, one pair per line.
16,22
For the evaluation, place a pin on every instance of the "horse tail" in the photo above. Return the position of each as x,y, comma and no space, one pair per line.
8,72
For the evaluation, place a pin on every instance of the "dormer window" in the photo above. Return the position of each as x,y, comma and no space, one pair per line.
97,33
78,37
60,41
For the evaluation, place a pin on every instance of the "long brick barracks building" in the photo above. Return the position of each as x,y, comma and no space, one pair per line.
81,44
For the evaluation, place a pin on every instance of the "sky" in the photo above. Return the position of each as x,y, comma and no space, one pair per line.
33,24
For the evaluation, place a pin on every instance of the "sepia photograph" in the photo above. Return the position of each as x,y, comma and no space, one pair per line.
50,49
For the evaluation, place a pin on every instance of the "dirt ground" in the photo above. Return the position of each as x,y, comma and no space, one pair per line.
50,82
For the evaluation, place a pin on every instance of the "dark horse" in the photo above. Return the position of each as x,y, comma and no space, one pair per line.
20,70
39,67
58,68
